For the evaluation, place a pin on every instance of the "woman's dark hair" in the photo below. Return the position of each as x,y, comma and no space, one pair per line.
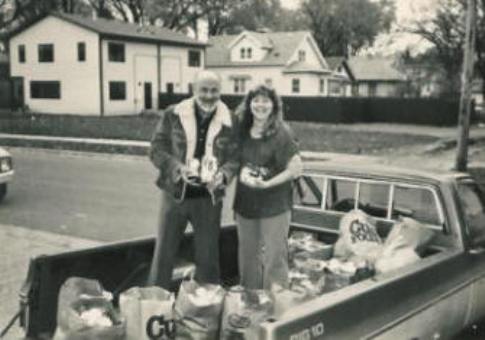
245,116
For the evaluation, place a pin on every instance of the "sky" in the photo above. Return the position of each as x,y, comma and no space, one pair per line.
390,43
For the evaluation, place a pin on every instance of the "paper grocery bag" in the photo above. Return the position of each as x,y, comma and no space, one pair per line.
148,313
198,311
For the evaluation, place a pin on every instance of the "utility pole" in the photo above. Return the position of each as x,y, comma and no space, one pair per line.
466,88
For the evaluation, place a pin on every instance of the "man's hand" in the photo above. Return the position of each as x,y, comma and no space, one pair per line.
188,176
217,182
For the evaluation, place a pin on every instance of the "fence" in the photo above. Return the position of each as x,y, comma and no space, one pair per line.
422,111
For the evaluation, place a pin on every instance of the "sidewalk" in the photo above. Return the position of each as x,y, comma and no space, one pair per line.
18,246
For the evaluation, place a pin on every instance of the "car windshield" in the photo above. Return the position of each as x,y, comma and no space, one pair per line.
473,204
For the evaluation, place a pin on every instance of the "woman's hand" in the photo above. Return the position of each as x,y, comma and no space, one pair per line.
257,183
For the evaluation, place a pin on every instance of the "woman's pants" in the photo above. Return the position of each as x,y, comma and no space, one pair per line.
263,250
206,222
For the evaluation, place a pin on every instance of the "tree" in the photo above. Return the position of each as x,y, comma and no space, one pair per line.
446,32
344,27
14,14
252,15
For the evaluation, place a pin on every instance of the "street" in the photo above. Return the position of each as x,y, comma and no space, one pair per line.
92,196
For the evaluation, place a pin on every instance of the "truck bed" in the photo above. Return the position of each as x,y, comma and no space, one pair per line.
119,266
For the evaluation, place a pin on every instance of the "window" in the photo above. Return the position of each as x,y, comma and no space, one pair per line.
372,89
170,88
249,52
295,85
45,90
473,204
418,203
341,195
46,53
21,51
308,192
194,58
81,51
191,88
374,199
242,53
355,90
334,87
117,90
116,52
301,55
322,85
239,85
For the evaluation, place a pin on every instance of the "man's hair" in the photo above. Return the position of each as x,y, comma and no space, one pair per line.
203,75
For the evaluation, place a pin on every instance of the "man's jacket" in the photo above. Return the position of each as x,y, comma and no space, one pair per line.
174,142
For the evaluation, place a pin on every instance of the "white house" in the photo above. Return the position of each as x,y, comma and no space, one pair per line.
77,65
290,62
376,77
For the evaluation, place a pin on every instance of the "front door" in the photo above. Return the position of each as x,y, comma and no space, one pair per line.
17,92
148,95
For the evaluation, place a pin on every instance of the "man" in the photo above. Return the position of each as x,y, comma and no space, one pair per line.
201,127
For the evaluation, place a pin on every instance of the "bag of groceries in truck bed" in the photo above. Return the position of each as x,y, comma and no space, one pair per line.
305,245
148,312
358,237
244,310
85,312
198,310
407,239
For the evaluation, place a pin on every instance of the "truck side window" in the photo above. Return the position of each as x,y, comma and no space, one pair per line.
340,195
473,204
374,199
307,192
418,203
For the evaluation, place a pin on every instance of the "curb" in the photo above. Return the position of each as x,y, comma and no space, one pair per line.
111,146
444,144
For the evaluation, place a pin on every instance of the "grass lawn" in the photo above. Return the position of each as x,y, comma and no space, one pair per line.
312,136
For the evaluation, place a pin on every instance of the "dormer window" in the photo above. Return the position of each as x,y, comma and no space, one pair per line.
301,55
246,53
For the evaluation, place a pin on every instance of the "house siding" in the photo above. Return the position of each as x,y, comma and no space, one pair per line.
140,66
79,80
282,83
382,89
175,68
310,54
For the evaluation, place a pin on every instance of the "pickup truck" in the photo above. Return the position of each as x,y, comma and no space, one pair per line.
435,298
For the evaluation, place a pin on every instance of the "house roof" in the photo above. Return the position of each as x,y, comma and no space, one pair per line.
303,67
374,69
282,46
123,30
334,62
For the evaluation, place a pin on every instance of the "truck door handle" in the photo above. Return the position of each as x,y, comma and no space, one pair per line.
477,250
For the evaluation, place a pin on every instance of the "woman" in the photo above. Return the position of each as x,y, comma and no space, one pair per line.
263,201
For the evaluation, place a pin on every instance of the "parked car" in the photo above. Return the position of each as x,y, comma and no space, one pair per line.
6,172
434,298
